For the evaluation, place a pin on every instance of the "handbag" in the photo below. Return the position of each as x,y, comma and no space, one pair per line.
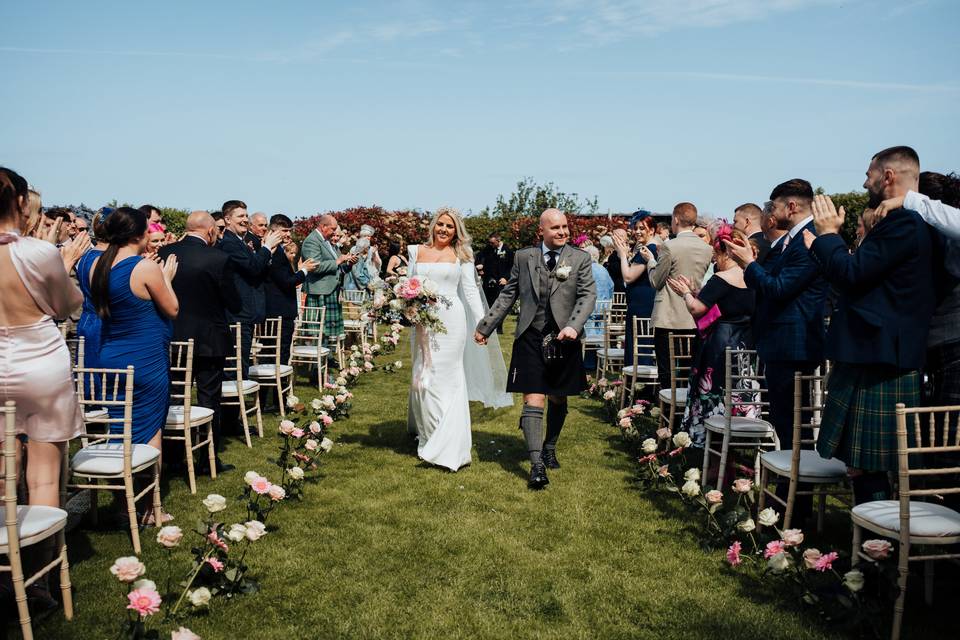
705,321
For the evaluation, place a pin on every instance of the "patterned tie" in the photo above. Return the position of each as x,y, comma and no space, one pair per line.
551,260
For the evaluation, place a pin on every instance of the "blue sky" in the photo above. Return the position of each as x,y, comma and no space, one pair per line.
307,106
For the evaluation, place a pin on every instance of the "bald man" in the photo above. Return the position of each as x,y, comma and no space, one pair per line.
204,285
258,226
555,286
322,285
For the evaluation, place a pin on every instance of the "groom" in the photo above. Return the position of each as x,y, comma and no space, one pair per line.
555,285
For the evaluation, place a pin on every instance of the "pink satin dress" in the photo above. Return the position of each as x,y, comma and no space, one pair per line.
35,368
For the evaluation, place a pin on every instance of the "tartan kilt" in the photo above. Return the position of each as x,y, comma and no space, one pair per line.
859,423
332,317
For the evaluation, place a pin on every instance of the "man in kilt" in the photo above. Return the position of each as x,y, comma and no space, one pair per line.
554,282
878,333
322,285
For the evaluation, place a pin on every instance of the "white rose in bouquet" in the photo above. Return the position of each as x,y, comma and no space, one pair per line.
429,287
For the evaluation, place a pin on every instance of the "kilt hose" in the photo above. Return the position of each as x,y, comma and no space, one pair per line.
859,423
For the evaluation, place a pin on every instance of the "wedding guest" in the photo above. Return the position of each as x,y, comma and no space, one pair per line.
250,264
748,218
155,237
606,248
703,232
221,224
36,373
723,309
633,266
359,277
81,225
494,263
604,295
281,286
878,335
371,255
685,255
89,325
663,232
258,226
614,265
396,263
135,301
56,225
32,220
322,285
772,234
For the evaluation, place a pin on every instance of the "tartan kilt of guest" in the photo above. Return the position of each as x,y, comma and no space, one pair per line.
859,423
332,317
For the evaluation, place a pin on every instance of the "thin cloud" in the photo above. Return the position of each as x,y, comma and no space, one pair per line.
825,82
115,52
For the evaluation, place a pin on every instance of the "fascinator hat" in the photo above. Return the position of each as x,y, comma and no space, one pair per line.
638,216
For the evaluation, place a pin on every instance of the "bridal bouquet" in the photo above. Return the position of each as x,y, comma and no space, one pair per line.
414,300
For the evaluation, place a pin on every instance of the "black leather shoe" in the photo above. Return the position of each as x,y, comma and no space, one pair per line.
550,459
538,477
223,468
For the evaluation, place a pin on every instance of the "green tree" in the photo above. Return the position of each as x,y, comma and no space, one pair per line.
853,203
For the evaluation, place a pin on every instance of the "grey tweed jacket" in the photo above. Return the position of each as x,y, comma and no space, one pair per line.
572,298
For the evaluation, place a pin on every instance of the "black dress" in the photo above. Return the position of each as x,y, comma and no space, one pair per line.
731,329
640,294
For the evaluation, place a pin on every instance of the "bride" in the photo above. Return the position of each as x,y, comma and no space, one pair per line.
449,369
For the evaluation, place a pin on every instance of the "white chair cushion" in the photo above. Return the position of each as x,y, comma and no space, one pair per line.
643,370
681,396
107,459
355,324
269,370
593,340
95,414
739,425
811,465
926,518
229,388
309,351
611,353
175,414
34,520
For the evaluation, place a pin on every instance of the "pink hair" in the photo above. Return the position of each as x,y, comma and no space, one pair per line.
156,227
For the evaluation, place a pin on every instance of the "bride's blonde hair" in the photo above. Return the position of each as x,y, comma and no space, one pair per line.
461,243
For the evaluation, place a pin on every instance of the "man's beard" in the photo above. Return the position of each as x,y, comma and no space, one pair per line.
783,224
874,198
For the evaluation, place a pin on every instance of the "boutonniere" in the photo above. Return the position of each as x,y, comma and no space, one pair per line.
562,272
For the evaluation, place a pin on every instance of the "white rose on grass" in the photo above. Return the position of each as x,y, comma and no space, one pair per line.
183,634
341,381
250,476
779,562
622,413
768,517
649,445
791,537
682,439
169,536
311,444
329,402
326,444
853,580
747,525
691,488
877,549
714,497
295,472
255,530
609,395
215,502
398,364
236,533
128,568
143,583
692,474
292,400
199,597
316,404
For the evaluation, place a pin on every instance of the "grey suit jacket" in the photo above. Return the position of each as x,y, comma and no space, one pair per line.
324,279
571,299
685,255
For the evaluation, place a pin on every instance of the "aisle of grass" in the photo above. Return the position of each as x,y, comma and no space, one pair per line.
386,547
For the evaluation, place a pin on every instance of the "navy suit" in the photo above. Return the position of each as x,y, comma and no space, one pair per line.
886,292
250,267
281,289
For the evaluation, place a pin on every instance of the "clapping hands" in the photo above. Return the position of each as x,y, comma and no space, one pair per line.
170,268
740,252
826,217
71,251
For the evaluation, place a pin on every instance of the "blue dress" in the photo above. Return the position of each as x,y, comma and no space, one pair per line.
89,325
137,334
640,295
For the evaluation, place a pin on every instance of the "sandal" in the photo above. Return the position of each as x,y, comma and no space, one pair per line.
149,521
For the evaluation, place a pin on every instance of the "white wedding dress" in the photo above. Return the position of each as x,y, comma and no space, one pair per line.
439,411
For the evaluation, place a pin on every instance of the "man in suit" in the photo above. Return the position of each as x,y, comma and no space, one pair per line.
322,285
250,264
281,286
748,218
258,227
494,263
772,234
685,255
554,282
205,287
791,298
878,333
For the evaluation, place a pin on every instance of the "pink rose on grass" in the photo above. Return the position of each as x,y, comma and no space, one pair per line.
773,548
261,485
297,433
184,634
825,562
742,485
810,558
287,427
877,549
625,423
214,538
327,420
663,433
169,536
215,564
353,371
713,497
311,444
128,568
277,493
663,471
145,602
733,553
791,537
315,427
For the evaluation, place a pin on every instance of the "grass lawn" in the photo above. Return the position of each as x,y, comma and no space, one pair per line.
386,547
